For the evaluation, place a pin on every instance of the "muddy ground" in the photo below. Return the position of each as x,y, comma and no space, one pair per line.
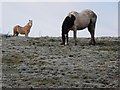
43,62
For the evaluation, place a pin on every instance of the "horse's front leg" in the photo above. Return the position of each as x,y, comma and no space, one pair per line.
26,34
75,37
66,39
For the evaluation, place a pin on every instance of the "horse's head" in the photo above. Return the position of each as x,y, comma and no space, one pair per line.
30,23
67,24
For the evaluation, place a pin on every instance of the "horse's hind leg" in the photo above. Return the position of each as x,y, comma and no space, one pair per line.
91,29
14,31
14,34
17,33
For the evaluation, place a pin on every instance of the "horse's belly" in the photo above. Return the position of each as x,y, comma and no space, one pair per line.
22,33
81,27
82,22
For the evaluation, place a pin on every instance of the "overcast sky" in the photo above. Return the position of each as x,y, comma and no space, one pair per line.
48,17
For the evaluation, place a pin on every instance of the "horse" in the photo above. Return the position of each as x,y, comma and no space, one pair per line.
79,21
22,30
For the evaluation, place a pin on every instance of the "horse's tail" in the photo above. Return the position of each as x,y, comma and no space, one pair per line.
94,17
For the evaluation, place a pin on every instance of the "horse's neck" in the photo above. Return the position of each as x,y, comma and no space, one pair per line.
27,25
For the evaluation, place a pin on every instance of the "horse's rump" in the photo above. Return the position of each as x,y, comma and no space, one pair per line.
18,29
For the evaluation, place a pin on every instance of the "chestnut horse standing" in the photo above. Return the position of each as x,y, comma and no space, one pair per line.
79,21
22,30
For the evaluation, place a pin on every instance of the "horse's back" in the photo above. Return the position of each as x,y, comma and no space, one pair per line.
87,12
84,18
90,14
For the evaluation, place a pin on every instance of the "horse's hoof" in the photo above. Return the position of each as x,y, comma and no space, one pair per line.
62,44
92,44
31,88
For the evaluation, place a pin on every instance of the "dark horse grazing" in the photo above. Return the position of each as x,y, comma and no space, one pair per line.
22,30
79,21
